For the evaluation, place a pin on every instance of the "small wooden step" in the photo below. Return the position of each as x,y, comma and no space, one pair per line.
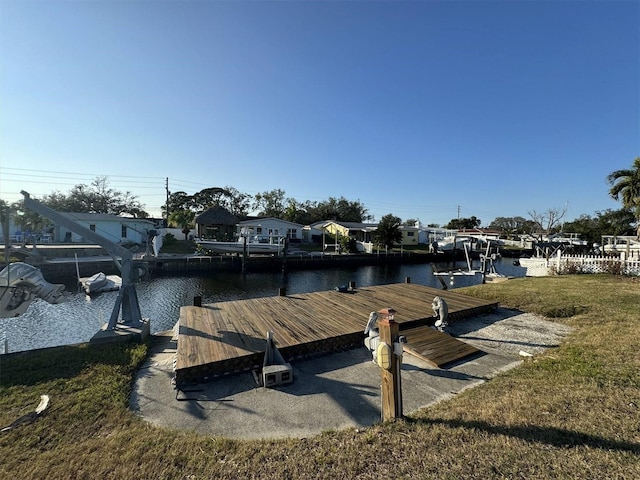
435,347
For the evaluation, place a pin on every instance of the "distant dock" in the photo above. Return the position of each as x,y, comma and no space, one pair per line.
230,337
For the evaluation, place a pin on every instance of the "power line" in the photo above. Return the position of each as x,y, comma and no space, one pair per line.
93,175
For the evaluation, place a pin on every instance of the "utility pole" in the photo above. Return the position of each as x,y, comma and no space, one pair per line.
166,187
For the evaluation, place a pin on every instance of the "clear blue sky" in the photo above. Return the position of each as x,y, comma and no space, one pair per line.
422,109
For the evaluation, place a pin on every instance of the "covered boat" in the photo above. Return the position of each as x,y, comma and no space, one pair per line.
20,284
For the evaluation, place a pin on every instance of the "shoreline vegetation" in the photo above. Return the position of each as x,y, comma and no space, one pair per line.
572,412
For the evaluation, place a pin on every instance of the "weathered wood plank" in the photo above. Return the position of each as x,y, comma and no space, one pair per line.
221,338
435,347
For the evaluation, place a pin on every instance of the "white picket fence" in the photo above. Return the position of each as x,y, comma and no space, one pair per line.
618,263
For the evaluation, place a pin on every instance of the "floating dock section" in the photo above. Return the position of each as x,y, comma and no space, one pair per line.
229,337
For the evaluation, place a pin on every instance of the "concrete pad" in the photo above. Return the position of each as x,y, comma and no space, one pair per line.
335,391
122,333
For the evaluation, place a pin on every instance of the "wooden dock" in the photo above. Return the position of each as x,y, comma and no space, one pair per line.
229,337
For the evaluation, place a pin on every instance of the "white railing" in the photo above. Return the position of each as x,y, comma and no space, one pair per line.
619,263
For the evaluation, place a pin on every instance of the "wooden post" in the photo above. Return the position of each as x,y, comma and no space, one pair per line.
197,301
391,382
244,256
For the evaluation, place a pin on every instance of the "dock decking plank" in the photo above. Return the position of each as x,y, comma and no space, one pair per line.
222,338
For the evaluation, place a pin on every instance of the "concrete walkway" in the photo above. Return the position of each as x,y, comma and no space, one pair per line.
334,391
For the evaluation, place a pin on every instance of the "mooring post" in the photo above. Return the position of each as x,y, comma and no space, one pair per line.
244,255
197,301
391,381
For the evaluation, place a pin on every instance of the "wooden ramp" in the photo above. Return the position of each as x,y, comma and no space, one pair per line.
436,348
228,337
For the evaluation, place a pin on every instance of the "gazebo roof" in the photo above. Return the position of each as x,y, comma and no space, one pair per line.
216,216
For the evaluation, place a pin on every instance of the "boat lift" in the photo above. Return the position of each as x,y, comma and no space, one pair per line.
127,300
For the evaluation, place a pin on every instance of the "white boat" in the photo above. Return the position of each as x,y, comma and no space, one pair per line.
100,282
20,284
534,266
469,272
254,245
628,244
453,242
569,240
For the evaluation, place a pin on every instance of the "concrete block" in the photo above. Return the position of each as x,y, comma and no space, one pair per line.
274,375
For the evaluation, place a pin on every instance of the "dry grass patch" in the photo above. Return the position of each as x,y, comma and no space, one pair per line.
570,413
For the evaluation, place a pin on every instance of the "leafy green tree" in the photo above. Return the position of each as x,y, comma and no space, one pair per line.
510,226
464,223
296,212
177,201
270,204
28,220
209,197
607,222
625,186
339,209
388,232
348,244
98,197
182,219
238,203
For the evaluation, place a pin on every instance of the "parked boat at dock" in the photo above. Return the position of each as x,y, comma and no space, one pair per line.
628,244
239,247
100,282
251,244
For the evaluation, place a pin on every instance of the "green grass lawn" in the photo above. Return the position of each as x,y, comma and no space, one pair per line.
572,413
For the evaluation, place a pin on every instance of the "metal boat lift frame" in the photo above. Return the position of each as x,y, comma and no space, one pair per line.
127,300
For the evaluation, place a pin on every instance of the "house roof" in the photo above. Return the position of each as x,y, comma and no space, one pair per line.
257,220
102,217
216,216
354,225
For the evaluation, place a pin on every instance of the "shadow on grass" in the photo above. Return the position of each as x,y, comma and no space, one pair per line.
556,437
37,366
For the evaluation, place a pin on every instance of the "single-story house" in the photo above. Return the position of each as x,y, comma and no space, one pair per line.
360,232
410,235
270,230
113,228
216,223
313,233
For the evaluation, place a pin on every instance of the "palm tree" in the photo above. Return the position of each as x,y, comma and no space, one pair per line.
388,232
625,186
182,219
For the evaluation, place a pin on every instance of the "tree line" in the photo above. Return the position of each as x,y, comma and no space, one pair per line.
182,208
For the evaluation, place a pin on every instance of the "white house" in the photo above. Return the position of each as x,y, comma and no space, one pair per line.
112,227
270,230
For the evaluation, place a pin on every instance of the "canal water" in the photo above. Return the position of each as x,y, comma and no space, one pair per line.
80,317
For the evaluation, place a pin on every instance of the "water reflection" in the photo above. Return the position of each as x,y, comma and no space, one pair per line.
78,319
